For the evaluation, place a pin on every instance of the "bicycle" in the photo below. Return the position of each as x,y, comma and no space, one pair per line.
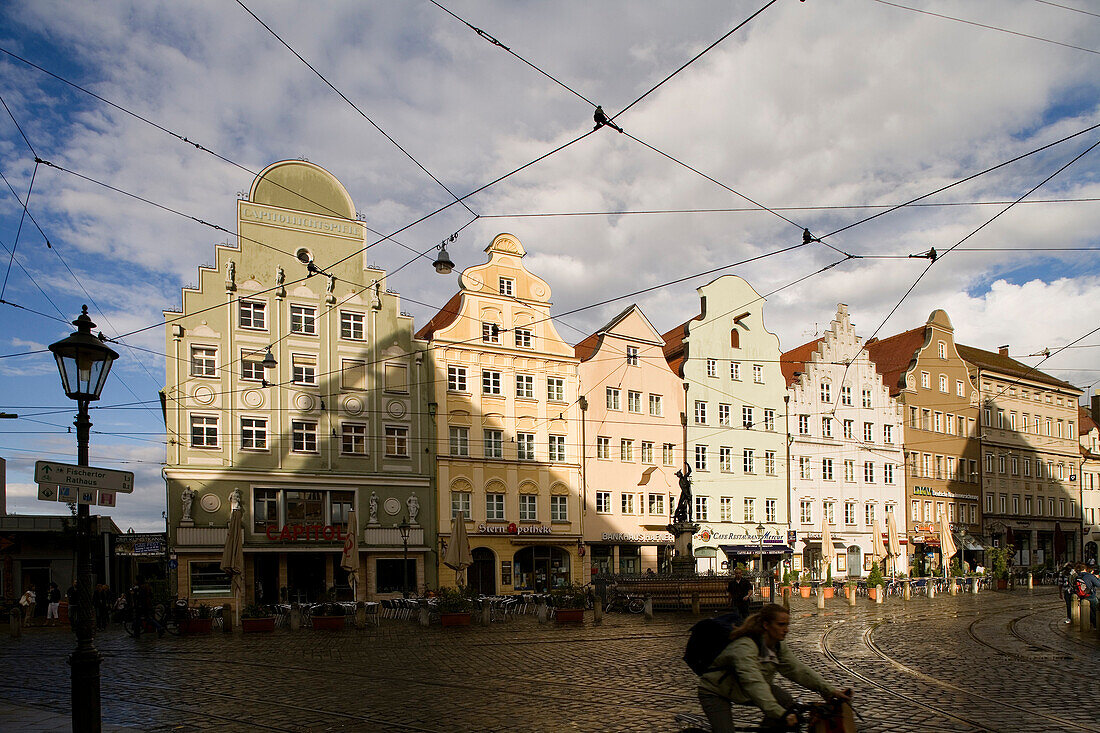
812,717
621,601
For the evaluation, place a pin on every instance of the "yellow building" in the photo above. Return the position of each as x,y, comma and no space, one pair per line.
335,425
508,427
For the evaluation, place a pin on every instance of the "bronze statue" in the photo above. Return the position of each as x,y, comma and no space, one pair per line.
683,507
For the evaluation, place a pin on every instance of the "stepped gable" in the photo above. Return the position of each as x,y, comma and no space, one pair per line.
893,355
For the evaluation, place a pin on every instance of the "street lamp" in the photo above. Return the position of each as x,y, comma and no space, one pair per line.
404,528
760,537
84,362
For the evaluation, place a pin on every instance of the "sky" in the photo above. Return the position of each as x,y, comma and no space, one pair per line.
826,113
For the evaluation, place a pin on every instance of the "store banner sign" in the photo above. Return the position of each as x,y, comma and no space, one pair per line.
307,532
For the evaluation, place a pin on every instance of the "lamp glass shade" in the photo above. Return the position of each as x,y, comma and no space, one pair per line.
404,528
443,264
83,362
760,530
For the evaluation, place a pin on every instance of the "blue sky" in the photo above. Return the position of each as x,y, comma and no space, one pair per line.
811,104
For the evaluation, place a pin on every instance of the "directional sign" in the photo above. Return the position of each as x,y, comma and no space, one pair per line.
86,496
66,493
106,498
83,477
47,492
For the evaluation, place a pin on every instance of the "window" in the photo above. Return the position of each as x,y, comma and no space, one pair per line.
208,579
626,450
525,446
613,400
351,325
634,401
303,436
748,460
846,395
494,507
735,371
667,453
647,451
632,356
989,463
1027,467
303,370
490,382
397,378
725,509
960,390
460,441
456,379
490,333
868,432
460,502
746,418
204,431
867,398
627,503
869,472
847,426
397,441
828,507
916,511
1015,504
1015,465
655,407
869,514
603,447
888,473
888,434
804,467
700,458
603,502
849,470
253,433
849,512
725,459
353,374
252,369
1001,464
559,508
507,286
700,412
803,424
712,368
204,362
555,389
941,348
494,443
1027,505
657,504
724,415
303,319
525,386
758,373
925,379
353,439
826,427
557,448
769,462
750,510
826,392
528,508
769,419
701,514
1003,503
253,314
523,338
943,383
769,510
265,509
827,469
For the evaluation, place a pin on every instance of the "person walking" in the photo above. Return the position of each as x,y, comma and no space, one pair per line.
27,601
54,597
1065,585
101,601
1091,584
740,590
743,672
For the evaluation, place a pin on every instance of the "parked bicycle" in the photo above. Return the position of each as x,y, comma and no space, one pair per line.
620,601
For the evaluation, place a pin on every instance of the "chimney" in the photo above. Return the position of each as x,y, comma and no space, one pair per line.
1003,350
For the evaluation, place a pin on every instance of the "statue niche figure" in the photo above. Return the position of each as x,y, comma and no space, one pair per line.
683,507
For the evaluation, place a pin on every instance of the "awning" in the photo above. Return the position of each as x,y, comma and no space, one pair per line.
966,542
838,544
706,552
772,549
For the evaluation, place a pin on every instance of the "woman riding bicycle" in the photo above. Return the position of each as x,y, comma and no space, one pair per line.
743,672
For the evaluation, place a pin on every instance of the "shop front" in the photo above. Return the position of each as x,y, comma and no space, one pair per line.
626,553
813,557
924,549
757,547
519,558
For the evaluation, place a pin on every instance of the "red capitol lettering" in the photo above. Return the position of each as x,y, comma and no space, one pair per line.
295,532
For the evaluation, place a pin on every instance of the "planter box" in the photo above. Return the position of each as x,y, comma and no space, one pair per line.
569,615
872,592
1002,585
827,590
804,591
197,626
455,618
328,623
765,592
251,625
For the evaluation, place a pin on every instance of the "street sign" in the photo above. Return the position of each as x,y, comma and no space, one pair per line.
173,564
83,477
106,498
66,493
47,492
85,496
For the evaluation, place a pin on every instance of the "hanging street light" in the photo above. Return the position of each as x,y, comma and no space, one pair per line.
404,528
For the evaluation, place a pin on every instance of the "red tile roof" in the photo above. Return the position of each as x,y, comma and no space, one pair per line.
792,361
587,346
674,346
893,354
447,315
1085,420
1007,365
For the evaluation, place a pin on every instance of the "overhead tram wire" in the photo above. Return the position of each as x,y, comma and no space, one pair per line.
990,27
19,231
1066,7
354,106
35,283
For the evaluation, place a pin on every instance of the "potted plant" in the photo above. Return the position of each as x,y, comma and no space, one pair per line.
827,589
786,587
256,618
201,621
998,565
327,616
569,602
874,579
849,588
804,588
454,607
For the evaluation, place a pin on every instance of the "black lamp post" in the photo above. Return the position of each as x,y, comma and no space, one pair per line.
404,528
84,362
760,562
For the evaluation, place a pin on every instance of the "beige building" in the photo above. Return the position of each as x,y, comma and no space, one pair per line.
1031,457
335,425
632,446
1090,478
508,427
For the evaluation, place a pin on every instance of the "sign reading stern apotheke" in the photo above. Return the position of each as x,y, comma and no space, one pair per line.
513,528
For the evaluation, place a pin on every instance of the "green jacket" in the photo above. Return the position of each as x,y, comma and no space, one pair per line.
751,683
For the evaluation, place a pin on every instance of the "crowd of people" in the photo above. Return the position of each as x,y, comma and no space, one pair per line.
1079,582
104,602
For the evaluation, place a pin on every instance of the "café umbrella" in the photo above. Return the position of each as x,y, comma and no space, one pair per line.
893,548
458,556
947,543
349,558
233,561
826,545
878,552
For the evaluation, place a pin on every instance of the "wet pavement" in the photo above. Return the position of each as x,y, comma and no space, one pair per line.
999,661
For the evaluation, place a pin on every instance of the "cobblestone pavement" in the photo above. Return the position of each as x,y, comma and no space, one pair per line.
994,662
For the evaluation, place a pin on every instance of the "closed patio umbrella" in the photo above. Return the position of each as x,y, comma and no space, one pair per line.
893,548
349,558
458,555
878,552
826,545
233,560
947,543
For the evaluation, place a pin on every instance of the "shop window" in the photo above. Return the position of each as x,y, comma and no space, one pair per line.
539,569
390,575
208,579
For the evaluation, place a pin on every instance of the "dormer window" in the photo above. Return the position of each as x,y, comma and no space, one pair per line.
507,286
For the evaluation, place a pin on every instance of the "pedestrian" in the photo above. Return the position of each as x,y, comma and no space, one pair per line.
54,597
740,590
1065,584
27,601
1091,584
101,601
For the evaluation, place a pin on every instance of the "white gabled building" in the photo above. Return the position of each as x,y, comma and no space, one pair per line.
846,453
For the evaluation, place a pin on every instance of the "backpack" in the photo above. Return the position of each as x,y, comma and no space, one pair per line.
1080,589
707,639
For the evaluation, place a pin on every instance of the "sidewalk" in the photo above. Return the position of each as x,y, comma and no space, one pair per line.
37,720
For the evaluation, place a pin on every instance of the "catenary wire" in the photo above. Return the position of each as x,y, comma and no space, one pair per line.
19,231
1066,7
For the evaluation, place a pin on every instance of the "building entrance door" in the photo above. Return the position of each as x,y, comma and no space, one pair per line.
482,575
855,562
266,571
305,577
